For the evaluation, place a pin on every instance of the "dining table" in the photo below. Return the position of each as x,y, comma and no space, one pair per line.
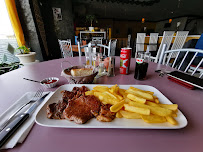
52,139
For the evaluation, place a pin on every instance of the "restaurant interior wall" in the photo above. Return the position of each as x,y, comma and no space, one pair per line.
57,29
194,25
29,27
160,26
66,28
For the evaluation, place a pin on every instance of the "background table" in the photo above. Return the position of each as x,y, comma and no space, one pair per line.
43,139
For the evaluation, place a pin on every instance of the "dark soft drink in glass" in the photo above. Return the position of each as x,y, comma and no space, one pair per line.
141,70
142,61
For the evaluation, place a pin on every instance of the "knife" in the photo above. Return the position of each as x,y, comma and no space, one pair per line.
9,130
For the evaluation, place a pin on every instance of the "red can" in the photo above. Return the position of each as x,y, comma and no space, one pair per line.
125,57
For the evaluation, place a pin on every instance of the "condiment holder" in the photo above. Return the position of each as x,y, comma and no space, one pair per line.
47,82
50,82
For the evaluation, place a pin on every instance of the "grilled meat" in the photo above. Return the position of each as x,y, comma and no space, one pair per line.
77,107
80,110
55,110
105,115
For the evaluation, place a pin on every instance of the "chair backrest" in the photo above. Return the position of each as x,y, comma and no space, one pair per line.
79,49
179,41
184,60
112,51
129,39
167,39
140,40
153,38
153,42
97,40
66,48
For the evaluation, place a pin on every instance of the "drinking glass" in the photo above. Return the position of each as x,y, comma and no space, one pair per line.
88,56
142,61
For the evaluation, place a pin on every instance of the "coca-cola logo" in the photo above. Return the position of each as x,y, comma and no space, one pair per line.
138,60
124,51
123,55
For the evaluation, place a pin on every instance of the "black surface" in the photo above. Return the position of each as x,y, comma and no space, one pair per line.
188,78
8,131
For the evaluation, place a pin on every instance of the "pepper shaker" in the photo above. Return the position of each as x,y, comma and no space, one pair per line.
111,67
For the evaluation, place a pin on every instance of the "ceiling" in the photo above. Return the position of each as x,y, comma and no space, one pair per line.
162,10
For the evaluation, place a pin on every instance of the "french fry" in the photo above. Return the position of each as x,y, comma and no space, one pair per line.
97,94
174,114
153,119
154,110
118,96
118,115
115,93
169,106
140,94
89,93
101,88
152,104
108,100
159,105
156,100
122,92
136,98
136,89
143,111
135,103
171,120
130,115
111,95
116,107
114,89
127,100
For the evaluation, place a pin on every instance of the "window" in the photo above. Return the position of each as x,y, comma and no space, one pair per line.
7,38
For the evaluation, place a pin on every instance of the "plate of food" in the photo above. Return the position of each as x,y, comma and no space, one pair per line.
110,106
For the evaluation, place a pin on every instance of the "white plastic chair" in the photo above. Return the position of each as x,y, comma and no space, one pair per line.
182,60
111,48
140,42
112,51
80,47
179,41
108,47
129,39
153,42
97,40
167,39
66,48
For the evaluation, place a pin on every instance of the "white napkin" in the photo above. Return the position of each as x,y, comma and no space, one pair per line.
23,131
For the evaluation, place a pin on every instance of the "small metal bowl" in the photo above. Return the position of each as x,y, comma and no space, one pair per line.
50,84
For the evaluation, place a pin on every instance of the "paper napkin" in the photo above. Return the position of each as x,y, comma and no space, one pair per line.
23,131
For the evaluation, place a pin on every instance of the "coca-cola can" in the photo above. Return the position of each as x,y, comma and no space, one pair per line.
125,57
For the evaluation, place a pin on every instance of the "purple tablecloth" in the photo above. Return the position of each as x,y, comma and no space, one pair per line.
44,139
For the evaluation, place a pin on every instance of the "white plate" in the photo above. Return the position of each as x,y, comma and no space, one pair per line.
42,119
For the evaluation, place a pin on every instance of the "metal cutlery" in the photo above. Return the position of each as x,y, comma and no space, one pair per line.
37,96
12,127
162,72
32,80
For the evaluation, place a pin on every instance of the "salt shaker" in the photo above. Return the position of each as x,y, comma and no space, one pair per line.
101,68
111,67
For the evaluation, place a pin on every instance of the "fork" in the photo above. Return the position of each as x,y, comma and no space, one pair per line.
162,72
36,97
